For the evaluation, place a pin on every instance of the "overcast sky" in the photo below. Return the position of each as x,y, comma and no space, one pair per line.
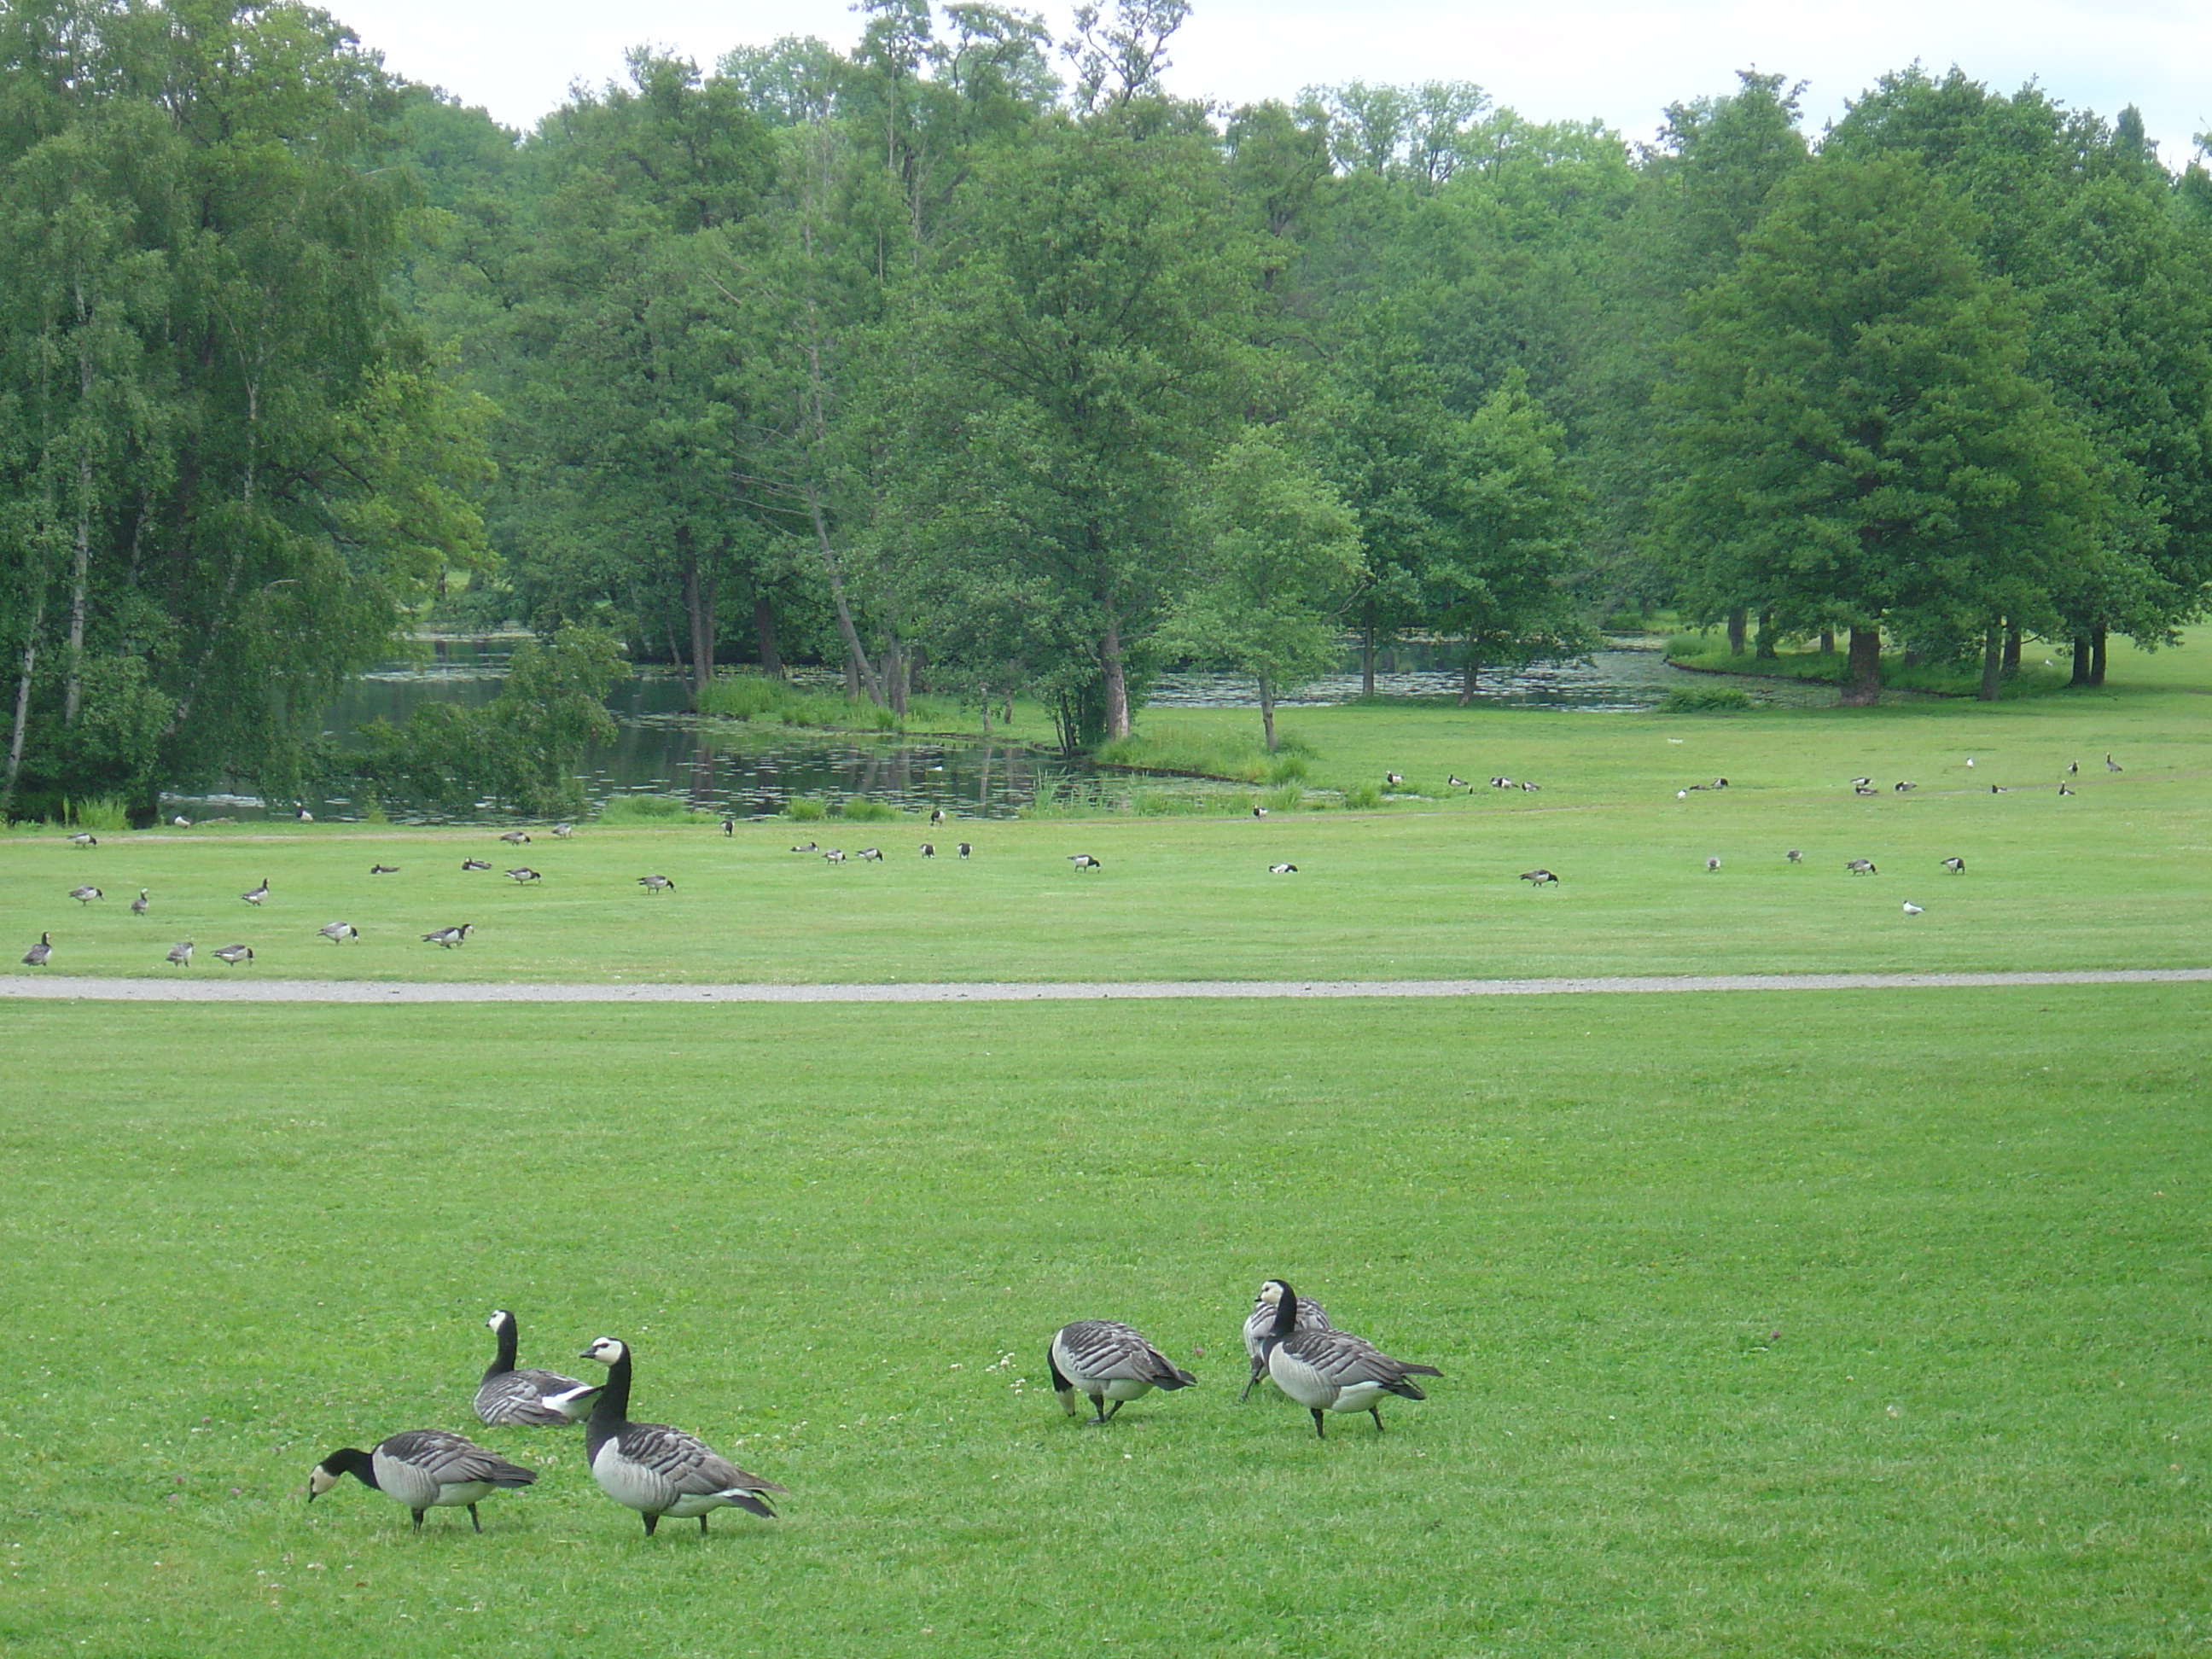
1622,61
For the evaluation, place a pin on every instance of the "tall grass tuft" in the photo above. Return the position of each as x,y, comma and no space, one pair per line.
860,810
804,809
646,809
1363,798
104,813
755,696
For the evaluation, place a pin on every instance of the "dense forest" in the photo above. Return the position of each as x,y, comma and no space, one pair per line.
974,361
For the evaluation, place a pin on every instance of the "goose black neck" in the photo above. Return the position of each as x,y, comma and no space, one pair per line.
612,1406
353,1461
1287,1312
506,1333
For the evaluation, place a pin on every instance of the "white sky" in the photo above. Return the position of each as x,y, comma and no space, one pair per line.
1621,60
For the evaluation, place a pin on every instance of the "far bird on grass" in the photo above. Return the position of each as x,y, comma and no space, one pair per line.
928,850
180,822
231,955
516,838
807,846
833,855
2072,766
181,953
304,815
1795,855
1864,789
1457,781
936,816
1862,783
1681,794
1903,788
964,850
1712,863
447,938
1912,909
383,869
1529,788
476,864
563,831
257,894
39,954
86,895
1501,782
84,838
1969,762
1957,867
1084,862
1392,780
1103,1360
1258,811
729,825
422,1470
337,932
2064,787
522,875
870,855
1538,878
140,905
1282,869
1720,783
1860,868
2112,765
656,884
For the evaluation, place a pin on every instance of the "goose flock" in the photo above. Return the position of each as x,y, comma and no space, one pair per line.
660,1471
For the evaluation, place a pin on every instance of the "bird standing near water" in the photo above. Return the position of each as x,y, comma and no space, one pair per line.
653,1468
1103,1359
424,1469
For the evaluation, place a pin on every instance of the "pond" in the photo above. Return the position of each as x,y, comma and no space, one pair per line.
732,767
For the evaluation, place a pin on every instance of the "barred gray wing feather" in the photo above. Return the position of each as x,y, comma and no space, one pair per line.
1105,1351
687,1468
1338,1360
450,1460
526,1399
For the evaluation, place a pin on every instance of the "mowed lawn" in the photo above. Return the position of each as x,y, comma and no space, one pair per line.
1770,1324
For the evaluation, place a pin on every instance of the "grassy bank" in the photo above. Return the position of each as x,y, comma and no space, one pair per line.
1708,653
1768,1325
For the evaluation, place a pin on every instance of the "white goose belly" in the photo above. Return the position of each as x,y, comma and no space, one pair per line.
418,1489
638,1487
1306,1384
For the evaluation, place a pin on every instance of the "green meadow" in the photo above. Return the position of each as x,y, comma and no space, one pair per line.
1770,1323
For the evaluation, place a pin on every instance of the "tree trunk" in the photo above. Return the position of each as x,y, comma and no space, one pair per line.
699,612
1367,660
2097,657
894,675
2012,651
2080,660
1827,642
1117,684
1993,655
22,725
1467,672
1267,711
985,691
771,659
73,690
1862,687
858,672
1739,623
1766,650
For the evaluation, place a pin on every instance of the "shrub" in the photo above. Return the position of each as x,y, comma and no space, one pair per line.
1704,700
103,813
804,809
1286,768
860,810
643,809
1288,799
1362,798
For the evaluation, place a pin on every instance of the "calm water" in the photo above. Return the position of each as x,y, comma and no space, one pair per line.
659,749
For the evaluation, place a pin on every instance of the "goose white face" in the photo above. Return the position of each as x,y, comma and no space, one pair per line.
320,1481
499,1317
606,1351
1272,1293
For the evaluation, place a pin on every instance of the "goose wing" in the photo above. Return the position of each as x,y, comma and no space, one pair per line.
682,1466
451,1461
533,1398
1103,1350
1338,1360
1260,1325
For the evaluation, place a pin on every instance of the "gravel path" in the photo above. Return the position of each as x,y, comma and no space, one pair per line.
232,989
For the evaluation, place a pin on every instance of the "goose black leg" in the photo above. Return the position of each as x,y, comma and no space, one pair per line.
1109,1415
1252,1383
703,1526
418,1520
651,1521
1376,1412
473,1521
1319,1432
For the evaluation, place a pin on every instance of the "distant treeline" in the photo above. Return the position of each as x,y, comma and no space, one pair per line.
968,358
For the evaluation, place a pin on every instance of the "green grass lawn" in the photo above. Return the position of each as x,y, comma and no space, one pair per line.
1770,1325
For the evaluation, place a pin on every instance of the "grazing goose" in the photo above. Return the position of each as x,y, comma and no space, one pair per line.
1260,1325
653,1468
1258,811
1903,788
383,869
2064,787
563,831
1712,865
83,838
964,848
1795,855
476,864
928,850
447,938
522,875
511,1398
1539,877
2112,765
1956,866
729,825
1105,1360
1501,783
140,905
86,895
516,838
833,855
258,894
337,932
1331,1370
1912,909
1084,862
1861,867
1720,783
936,815
181,953
870,854
39,954
231,955
807,846
1998,788
1862,783
656,884
425,1469
1282,869
1392,780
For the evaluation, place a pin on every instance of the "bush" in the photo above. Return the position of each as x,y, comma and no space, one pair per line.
1286,768
1288,799
860,810
104,813
644,809
1704,700
1363,798
804,809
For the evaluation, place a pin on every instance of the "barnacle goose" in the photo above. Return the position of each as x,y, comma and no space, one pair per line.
656,884
928,850
86,895
516,838
1331,1370
1106,1360
522,874
508,1397
337,932
1392,780
1537,878
2111,765
1957,867
1282,869
84,838
140,905
476,864
258,894
1084,862
964,848
425,1469
1260,1324
383,869
181,953
447,938
1712,865
807,846
870,855
1795,855
563,831
833,855
653,1468
231,955
38,955
937,815
1912,909
1860,868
